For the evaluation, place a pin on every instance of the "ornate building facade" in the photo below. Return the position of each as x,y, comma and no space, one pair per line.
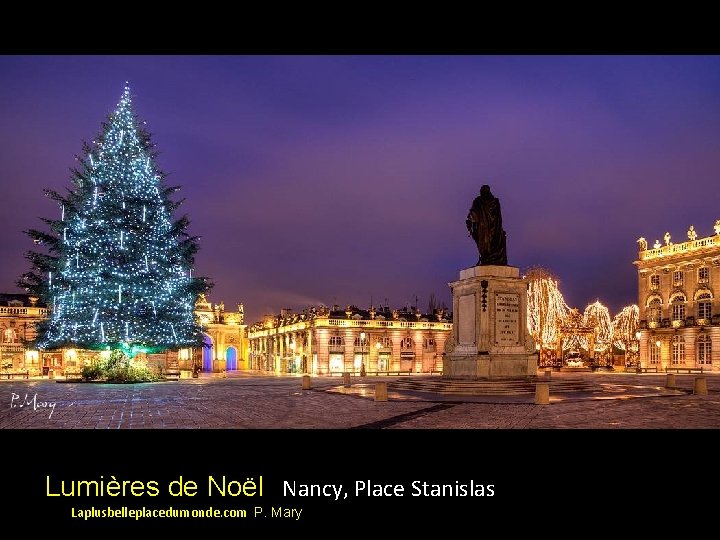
679,310
18,315
323,341
225,341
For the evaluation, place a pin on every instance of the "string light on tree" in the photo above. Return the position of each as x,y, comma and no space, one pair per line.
625,328
598,317
129,285
546,311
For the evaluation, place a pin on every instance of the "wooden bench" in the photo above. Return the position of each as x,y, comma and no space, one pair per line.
13,374
648,369
684,369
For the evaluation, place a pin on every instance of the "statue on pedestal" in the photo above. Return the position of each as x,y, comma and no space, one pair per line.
484,223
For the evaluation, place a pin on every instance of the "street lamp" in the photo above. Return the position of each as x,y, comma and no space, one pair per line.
292,348
378,346
362,354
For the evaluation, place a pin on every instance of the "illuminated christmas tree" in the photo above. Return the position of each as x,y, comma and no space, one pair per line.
117,272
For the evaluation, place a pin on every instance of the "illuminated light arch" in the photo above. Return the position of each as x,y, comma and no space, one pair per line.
678,297
652,298
703,294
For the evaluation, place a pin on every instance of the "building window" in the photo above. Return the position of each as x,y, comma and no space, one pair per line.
9,335
407,344
361,342
655,282
704,350
678,278
335,341
385,342
654,350
337,362
383,362
678,350
703,274
654,310
704,306
429,344
678,308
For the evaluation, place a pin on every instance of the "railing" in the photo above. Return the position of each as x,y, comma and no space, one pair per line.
685,247
369,324
31,311
11,348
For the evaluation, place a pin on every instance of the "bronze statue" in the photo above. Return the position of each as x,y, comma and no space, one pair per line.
484,222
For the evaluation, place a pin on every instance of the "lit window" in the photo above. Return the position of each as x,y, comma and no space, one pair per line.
678,308
704,274
428,343
704,350
359,342
407,344
9,335
678,350
654,310
654,353
704,306
678,278
655,281
335,341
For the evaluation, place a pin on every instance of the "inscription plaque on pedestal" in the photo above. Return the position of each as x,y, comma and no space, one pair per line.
507,319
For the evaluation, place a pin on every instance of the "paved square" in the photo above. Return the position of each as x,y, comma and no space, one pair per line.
255,401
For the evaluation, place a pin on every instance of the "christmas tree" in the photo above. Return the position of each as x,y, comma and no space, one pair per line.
117,270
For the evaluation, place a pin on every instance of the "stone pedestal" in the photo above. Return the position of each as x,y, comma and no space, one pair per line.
381,393
700,387
542,394
489,336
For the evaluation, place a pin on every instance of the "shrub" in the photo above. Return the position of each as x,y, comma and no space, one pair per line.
117,368
92,372
126,373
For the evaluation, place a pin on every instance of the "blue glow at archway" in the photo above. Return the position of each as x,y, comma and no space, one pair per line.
231,357
207,354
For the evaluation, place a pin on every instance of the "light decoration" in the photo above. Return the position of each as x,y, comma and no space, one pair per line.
137,289
546,310
625,329
575,332
598,317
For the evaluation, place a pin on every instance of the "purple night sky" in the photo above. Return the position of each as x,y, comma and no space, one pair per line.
334,179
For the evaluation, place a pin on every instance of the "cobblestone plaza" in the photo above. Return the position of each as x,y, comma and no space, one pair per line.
613,400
